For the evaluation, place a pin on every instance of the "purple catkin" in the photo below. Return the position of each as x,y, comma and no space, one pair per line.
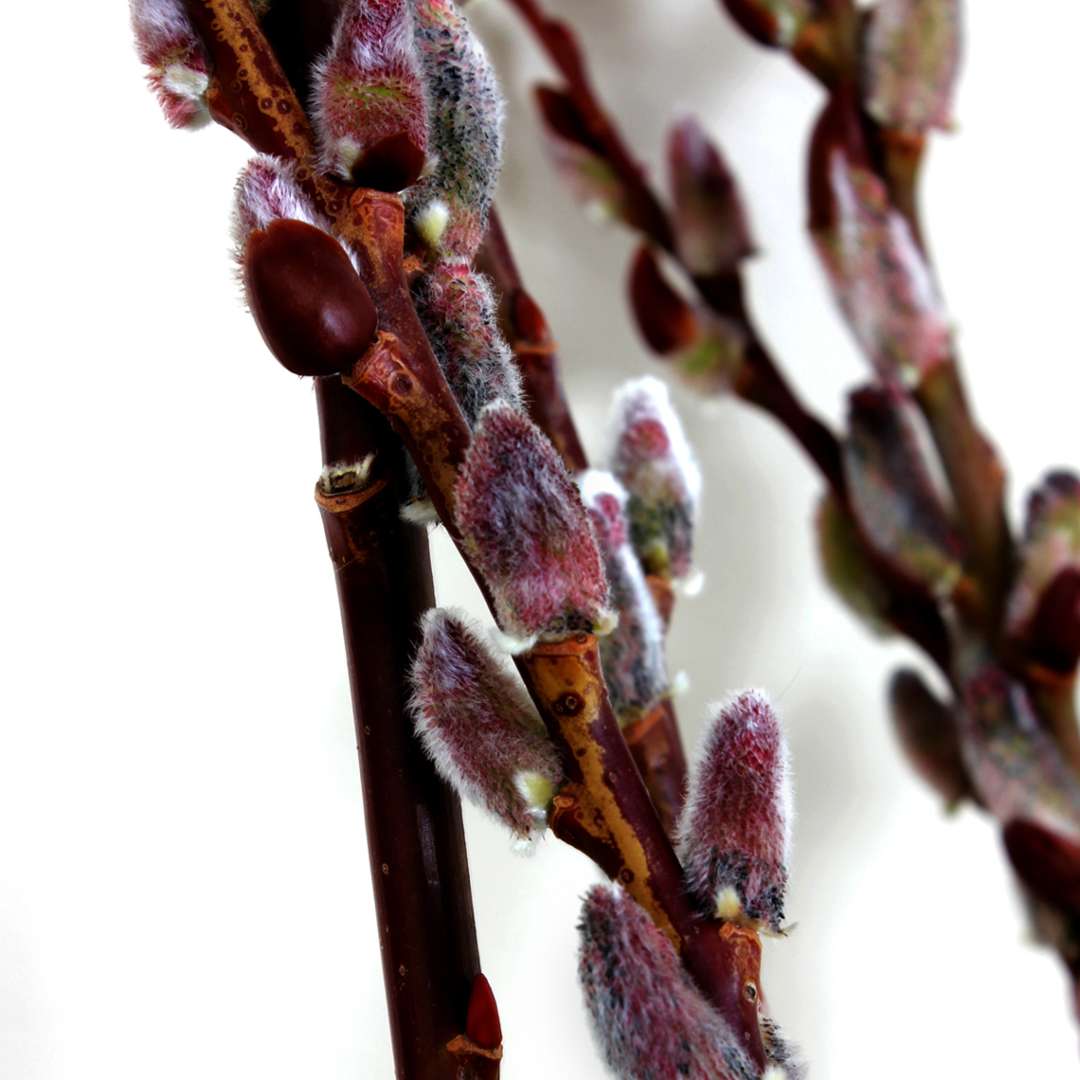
523,522
368,98
653,461
894,498
734,833
1051,545
711,230
649,1019
1014,764
911,60
479,728
632,655
178,66
878,274
457,310
449,207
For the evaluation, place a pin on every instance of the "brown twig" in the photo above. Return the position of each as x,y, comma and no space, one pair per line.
416,843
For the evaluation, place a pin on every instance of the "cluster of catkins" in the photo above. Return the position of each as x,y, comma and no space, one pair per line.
405,100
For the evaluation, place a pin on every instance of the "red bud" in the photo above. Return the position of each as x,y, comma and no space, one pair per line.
482,1023
1046,862
666,321
392,164
309,303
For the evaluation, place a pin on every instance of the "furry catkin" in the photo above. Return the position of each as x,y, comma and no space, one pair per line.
522,520
734,835
649,1019
632,655
479,728
369,104
178,68
893,495
910,63
457,310
449,207
653,461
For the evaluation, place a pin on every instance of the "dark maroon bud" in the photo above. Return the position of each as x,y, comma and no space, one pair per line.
1054,635
1047,862
482,1023
392,164
666,321
312,309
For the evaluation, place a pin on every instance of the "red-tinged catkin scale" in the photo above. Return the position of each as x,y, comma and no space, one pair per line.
313,310
666,321
1046,862
482,1023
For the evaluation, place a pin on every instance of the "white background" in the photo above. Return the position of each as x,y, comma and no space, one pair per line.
183,879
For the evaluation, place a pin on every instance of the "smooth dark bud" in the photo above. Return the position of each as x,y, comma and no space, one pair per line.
928,737
1047,862
1054,635
482,1024
312,309
666,321
392,164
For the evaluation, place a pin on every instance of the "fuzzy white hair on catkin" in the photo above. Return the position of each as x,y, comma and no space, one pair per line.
648,395
266,191
594,483
648,1018
431,221
479,727
774,1072
164,18
362,45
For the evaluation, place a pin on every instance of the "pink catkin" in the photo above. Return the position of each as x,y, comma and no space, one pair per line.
178,67
633,653
734,833
523,521
652,459
368,91
478,726
649,1019
911,60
